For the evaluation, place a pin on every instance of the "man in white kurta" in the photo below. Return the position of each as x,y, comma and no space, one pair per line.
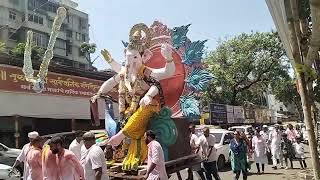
259,146
76,145
275,140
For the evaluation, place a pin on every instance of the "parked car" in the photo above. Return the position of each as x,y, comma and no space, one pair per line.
9,155
10,152
7,174
68,137
223,138
247,129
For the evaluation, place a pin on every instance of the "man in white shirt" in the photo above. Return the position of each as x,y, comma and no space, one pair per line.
275,141
207,142
76,144
156,168
195,149
94,162
22,156
264,133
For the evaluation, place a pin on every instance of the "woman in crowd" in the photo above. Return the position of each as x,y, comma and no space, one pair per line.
260,151
238,156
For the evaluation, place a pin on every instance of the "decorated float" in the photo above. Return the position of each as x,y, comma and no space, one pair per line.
157,87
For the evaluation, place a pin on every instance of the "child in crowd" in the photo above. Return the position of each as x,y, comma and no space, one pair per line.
299,149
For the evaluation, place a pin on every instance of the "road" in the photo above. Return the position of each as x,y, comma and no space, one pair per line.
270,174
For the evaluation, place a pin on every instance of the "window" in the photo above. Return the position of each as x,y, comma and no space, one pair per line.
63,27
52,7
16,2
82,23
40,39
69,47
61,44
13,35
35,19
78,36
227,138
50,23
12,15
83,37
33,4
68,18
69,34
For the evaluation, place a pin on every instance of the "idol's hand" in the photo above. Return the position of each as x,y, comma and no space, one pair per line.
166,52
94,98
106,55
146,100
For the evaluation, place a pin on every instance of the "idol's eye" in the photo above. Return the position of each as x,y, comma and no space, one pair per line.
135,57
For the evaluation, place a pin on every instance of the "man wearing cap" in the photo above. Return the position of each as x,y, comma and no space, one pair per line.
22,156
93,162
264,133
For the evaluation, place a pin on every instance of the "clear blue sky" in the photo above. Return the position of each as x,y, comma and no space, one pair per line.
111,20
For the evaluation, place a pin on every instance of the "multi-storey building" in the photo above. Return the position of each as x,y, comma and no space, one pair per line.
19,16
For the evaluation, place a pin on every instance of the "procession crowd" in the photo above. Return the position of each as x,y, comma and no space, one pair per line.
83,160
283,144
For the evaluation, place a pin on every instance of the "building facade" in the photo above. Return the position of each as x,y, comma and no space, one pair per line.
19,16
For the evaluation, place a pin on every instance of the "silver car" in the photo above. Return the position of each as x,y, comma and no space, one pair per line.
7,174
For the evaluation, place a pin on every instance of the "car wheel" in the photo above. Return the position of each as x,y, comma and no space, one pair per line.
221,162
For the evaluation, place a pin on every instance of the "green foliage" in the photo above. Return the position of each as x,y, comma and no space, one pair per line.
244,67
2,47
18,51
87,49
286,91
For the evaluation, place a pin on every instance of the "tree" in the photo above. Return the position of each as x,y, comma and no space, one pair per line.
2,47
299,27
286,92
18,51
87,49
243,68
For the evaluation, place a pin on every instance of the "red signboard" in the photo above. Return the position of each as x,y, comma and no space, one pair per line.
12,79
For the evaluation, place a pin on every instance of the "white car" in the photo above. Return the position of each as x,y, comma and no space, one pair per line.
6,174
10,152
223,138
246,129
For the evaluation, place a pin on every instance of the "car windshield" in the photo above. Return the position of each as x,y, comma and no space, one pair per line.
238,129
218,137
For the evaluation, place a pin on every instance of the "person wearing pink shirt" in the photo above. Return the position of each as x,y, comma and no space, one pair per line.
156,168
33,160
68,165
292,134
49,164
22,156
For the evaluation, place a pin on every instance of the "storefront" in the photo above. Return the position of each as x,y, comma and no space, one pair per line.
62,106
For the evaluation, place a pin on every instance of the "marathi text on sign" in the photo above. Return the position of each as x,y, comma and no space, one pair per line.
12,79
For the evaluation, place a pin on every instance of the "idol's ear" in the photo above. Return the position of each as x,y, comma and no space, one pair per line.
147,54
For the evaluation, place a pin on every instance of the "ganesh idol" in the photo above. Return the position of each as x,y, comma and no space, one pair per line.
139,90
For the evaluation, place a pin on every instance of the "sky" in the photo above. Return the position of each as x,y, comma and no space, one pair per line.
110,20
